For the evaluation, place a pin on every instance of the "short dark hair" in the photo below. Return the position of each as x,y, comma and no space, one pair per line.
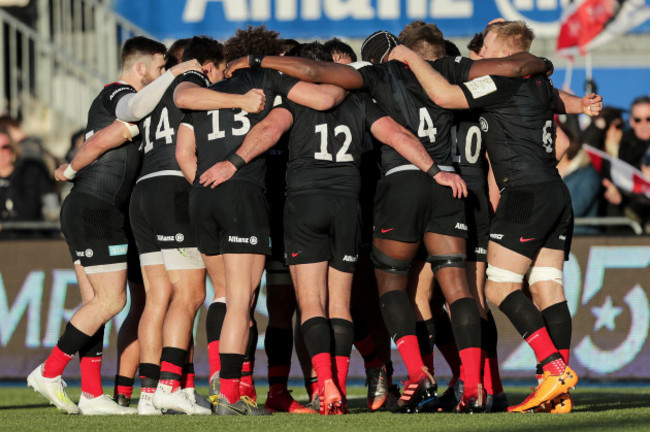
425,39
138,46
175,52
641,100
288,45
205,50
451,49
313,50
336,45
476,44
253,40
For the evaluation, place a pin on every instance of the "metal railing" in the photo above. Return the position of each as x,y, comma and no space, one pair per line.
50,74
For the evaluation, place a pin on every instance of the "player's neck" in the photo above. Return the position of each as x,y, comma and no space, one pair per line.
131,79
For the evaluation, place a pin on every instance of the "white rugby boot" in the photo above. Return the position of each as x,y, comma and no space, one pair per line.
102,405
53,389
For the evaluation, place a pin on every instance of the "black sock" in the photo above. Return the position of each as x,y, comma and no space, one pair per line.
522,313
214,321
316,334
72,340
342,335
398,314
558,322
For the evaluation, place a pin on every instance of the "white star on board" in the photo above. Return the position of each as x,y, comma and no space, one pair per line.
606,314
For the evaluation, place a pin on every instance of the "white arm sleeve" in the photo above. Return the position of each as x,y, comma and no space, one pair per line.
136,106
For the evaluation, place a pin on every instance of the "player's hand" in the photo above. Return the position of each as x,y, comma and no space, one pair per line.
454,181
58,174
217,174
592,104
240,63
253,101
612,194
401,53
189,65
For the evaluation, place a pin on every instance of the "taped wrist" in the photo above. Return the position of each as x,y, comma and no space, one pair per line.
255,61
433,170
236,160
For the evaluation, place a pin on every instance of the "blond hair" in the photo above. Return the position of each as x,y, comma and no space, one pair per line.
515,34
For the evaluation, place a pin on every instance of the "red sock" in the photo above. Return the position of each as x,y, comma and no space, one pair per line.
491,378
323,366
172,369
187,381
213,357
91,377
543,347
342,368
246,385
410,351
55,363
230,389
366,348
450,353
125,390
565,355
427,359
472,365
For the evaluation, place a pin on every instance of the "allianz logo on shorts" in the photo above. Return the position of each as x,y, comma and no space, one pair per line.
170,238
496,236
461,226
86,253
480,250
118,250
350,258
252,240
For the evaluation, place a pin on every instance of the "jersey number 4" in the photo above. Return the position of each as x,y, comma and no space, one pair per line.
163,131
342,155
426,127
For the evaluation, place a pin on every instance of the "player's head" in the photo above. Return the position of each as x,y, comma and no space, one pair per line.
451,50
288,45
424,39
175,52
313,51
8,149
143,59
253,40
505,38
474,46
340,51
640,117
377,46
209,53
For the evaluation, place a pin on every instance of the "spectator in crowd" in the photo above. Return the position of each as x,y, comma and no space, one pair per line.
583,182
27,191
30,147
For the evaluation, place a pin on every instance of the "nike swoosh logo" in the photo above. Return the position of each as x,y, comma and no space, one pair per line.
384,231
524,240
294,254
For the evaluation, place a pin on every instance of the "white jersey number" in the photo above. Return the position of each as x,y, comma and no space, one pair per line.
240,117
162,130
473,135
547,136
426,127
342,155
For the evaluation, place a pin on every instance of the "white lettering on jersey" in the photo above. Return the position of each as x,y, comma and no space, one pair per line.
481,86
496,236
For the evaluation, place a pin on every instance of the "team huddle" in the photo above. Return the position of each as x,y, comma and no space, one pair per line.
386,199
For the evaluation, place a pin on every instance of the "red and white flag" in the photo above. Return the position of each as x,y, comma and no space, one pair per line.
586,24
624,176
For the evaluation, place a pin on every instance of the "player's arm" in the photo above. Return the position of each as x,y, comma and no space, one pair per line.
189,95
261,137
304,69
319,97
133,107
186,151
437,87
112,136
515,66
567,103
389,132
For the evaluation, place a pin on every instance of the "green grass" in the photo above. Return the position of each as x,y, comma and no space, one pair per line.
597,408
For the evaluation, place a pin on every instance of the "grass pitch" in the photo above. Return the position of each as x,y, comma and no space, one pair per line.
603,408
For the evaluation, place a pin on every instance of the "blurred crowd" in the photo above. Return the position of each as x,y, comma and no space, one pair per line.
28,192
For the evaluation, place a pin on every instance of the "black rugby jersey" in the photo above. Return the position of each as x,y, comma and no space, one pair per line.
159,129
398,92
325,147
517,126
468,148
219,133
111,177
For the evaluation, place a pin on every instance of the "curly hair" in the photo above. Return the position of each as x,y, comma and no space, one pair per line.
425,39
254,40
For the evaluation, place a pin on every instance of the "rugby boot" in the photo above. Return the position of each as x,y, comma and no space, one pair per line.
122,400
377,383
331,401
451,397
244,406
198,398
177,401
102,405
420,396
281,401
314,403
392,398
548,389
214,388
145,405
470,404
498,403
562,404
53,389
